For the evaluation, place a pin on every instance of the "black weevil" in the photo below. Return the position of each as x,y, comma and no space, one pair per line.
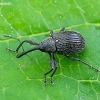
63,42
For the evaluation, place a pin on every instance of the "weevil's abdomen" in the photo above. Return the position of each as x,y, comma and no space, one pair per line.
69,42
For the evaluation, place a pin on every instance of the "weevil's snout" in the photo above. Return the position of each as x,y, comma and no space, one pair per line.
48,45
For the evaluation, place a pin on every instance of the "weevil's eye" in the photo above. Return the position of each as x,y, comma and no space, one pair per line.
43,46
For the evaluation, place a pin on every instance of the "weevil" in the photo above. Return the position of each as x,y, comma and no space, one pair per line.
63,42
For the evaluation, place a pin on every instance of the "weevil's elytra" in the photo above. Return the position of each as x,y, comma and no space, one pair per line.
70,42
63,42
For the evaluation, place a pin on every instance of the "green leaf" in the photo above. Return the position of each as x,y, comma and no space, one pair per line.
22,79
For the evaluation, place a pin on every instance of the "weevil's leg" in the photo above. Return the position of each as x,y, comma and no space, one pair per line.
27,41
9,36
77,59
63,29
21,43
52,75
5,35
8,49
25,52
51,33
45,81
53,65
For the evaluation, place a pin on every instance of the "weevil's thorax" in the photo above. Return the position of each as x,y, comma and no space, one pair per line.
48,45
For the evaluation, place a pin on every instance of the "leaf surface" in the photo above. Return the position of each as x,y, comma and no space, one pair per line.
22,79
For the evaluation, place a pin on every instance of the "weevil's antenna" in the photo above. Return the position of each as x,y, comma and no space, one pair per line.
9,36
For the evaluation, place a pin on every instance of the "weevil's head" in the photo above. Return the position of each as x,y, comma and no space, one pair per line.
48,45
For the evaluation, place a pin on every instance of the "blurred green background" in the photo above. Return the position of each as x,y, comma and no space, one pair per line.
22,79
